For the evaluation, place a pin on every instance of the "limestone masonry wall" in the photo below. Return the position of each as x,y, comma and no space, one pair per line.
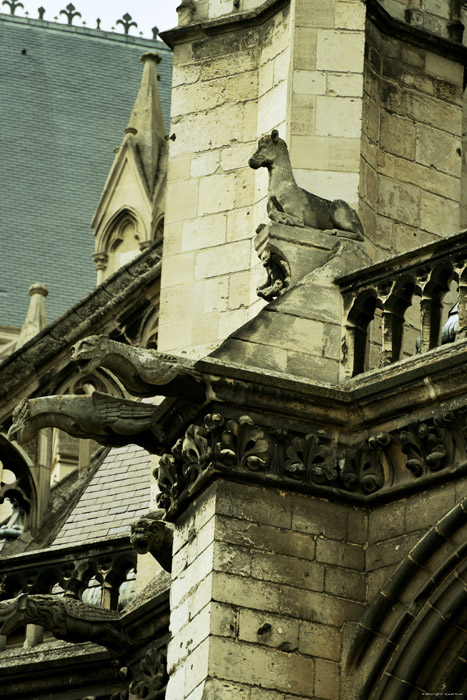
411,144
263,582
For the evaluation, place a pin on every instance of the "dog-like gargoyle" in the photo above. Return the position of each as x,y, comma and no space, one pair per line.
68,619
291,205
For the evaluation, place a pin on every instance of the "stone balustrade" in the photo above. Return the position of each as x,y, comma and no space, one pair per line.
392,287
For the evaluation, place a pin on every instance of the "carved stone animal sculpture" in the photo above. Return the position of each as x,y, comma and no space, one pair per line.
291,205
143,372
67,618
109,420
152,534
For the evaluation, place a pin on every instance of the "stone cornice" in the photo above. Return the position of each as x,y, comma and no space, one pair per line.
390,26
199,30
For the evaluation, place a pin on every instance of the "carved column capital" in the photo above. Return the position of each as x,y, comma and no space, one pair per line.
101,260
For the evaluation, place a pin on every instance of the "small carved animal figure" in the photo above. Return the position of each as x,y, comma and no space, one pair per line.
289,204
152,534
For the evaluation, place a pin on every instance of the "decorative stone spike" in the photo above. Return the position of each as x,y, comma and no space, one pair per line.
70,13
126,23
12,5
98,23
155,32
35,319
41,12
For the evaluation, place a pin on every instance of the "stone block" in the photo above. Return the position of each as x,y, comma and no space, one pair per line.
439,150
304,55
272,107
190,98
176,687
245,187
242,87
205,232
263,667
190,636
439,215
327,676
390,552
178,169
345,84
349,556
282,66
268,630
216,294
288,571
444,68
231,257
357,526
309,82
330,184
182,201
386,522
173,336
250,118
221,66
314,13
205,163
239,289
345,583
319,517
237,156
178,270
303,115
185,74
424,510
197,669
242,591
342,154
216,193
340,51
319,608
320,641
400,202
430,179
192,576
205,328
263,506
240,224
265,538
207,131
350,15
338,116
307,152
232,559
287,332
397,135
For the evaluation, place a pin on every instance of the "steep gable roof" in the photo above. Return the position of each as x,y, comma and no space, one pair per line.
67,95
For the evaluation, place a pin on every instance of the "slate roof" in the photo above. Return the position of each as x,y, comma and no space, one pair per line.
117,495
66,96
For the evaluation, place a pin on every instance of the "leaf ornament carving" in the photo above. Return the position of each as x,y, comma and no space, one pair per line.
311,461
170,480
423,443
244,445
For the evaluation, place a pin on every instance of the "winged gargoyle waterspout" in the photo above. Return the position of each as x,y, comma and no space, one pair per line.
68,619
106,419
143,372
152,534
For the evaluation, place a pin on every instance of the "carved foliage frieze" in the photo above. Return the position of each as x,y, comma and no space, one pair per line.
318,461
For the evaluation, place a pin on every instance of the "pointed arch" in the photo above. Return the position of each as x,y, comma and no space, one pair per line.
413,637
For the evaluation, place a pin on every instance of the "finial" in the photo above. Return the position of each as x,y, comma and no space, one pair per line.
152,55
185,12
41,12
38,288
70,13
155,32
126,23
98,23
12,5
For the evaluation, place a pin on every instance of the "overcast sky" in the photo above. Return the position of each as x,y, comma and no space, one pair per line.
147,13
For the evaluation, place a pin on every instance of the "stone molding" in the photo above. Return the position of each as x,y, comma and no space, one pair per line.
322,462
